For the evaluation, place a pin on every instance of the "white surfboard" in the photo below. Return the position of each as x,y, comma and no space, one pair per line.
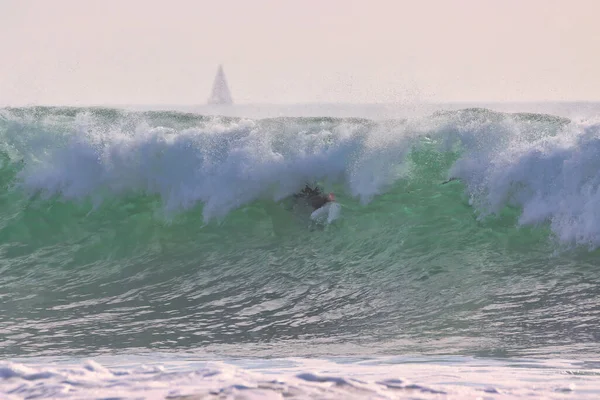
327,214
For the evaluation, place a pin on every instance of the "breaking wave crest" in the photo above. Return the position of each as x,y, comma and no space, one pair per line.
546,166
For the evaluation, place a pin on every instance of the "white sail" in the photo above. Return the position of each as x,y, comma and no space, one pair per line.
220,91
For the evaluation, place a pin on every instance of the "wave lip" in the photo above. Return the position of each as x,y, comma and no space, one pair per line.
552,179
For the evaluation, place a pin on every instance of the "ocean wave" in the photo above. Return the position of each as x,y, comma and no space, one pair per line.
160,230
547,166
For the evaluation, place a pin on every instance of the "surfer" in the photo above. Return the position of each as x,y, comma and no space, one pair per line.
314,197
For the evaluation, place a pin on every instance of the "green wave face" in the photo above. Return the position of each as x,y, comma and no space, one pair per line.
174,231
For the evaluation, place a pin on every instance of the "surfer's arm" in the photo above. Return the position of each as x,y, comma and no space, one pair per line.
449,180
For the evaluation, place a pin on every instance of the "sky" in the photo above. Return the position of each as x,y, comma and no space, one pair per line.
73,52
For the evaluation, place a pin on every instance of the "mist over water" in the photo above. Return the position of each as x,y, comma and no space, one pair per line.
126,232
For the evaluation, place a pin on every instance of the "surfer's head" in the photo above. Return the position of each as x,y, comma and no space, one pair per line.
315,197
319,201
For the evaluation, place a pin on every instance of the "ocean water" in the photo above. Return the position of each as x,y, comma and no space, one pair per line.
157,254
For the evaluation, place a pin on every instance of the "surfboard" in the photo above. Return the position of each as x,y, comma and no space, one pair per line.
327,214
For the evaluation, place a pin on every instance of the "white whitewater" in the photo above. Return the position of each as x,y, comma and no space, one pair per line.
220,91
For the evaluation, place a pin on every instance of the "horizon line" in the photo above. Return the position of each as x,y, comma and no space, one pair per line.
308,103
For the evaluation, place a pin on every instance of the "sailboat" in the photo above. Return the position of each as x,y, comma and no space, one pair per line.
220,91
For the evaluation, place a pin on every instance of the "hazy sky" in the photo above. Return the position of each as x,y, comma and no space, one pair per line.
167,52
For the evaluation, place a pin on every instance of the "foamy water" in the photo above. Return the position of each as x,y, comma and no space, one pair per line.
392,378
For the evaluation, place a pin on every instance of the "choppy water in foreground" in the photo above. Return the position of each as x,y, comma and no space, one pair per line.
164,238
164,376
